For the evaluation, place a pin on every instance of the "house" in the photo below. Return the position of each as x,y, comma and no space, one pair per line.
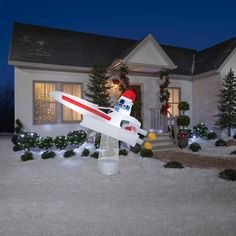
47,59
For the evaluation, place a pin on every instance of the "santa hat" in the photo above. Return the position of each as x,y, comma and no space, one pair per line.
130,94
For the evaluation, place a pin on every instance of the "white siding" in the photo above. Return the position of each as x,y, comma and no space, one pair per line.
231,63
148,54
24,98
205,92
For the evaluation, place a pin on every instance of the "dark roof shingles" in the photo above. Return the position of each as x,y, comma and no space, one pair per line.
63,47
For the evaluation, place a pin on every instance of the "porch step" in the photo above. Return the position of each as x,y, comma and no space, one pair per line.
162,142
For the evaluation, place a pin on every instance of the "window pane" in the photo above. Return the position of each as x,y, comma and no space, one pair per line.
67,113
44,105
174,101
171,94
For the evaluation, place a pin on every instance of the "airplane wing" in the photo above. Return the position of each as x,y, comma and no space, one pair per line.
80,105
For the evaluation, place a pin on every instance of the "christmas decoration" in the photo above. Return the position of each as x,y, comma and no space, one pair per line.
147,145
123,78
164,93
227,103
183,121
117,123
76,138
200,130
60,142
45,142
99,85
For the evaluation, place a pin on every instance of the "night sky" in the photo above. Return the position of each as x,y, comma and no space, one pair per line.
193,24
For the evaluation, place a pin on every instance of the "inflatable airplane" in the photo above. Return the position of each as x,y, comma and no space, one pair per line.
117,123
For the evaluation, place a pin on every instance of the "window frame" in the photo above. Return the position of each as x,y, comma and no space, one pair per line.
58,106
61,109
179,89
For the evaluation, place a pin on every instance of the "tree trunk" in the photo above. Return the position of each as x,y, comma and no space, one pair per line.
229,132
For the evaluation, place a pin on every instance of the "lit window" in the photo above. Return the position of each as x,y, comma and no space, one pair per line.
67,113
174,101
44,105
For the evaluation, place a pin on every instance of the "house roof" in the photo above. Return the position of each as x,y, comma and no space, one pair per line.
45,45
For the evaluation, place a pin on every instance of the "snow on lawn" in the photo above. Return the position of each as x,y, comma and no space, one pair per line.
208,148
69,197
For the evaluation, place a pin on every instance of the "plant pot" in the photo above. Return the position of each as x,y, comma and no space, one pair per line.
183,142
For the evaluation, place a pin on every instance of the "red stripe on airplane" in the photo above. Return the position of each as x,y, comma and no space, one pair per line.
81,105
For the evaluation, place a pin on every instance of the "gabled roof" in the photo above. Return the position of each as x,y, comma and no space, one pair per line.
213,57
36,44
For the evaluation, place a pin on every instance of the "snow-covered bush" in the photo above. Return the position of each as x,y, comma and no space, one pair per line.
136,149
228,174
146,153
95,155
85,152
76,138
60,142
173,164
195,147
220,143
45,142
123,152
48,155
200,130
27,156
69,153
211,135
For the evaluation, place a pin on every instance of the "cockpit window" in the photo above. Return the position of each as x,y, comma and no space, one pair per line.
127,107
122,101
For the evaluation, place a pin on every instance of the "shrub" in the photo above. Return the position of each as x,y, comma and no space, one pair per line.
95,155
19,126
211,135
27,140
69,153
60,142
146,153
183,106
45,142
48,155
220,143
195,147
77,137
136,149
228,174
123,152
200,130
183,120
173,164
27,156
14,139
17,148
233,153
97,141
85,152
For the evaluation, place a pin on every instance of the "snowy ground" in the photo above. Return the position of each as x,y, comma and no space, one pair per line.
69,197
208,148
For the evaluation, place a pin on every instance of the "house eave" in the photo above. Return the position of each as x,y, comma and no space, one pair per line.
33,65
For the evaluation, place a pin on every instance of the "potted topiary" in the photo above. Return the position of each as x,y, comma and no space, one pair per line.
183,121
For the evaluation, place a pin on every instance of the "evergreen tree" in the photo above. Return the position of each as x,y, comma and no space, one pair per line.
227,103
99,86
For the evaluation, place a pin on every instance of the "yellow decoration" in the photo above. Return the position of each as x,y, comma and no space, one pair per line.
147,145
152,136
